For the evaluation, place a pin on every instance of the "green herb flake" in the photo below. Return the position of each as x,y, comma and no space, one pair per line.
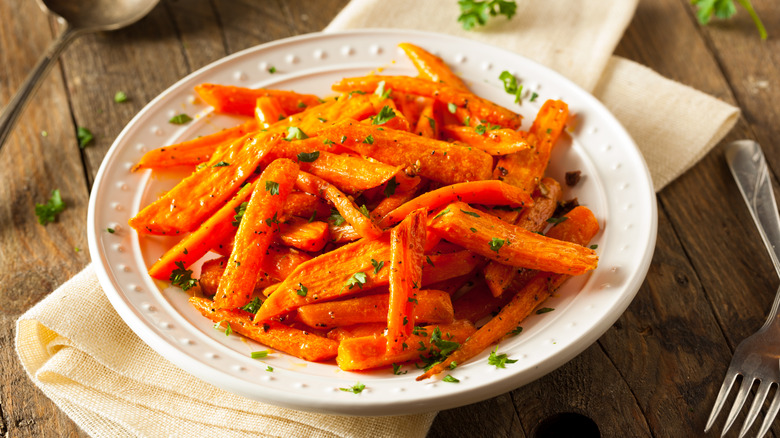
228,329
221,164
473,230
48,212
470,213
364,210
451,107
272,69
397,370
496,244
377,265
259,354
480,129
302,291
428,259
724,9
182,277
544,310
308,157
336,218
357,388
517,330
270,369
534,95
272,220
357,279
252,306
449,379
295,133
476,13
180,119
390,187
499,360
557,220
453,365
84,136
272,187
240,210
431,123
594,247
111,230
442,213
385,115
369,139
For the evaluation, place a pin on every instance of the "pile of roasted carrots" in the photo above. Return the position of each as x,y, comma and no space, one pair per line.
349,227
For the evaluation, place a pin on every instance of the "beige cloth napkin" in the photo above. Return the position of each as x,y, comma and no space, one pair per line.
104,381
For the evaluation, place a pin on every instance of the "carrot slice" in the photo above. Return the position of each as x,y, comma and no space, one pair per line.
257,229
480,108
434,159
268,111
479,303
306,206
358,217
371,351
510,244
434,307
278,263
242,101
493,142
198,196
192,152
299,343
430,120
578,229
304,235
489,192
406,259
431,67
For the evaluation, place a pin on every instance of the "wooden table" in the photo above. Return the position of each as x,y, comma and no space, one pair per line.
654,373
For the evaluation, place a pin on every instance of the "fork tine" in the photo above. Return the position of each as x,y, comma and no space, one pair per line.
738,403
770,414
758,402
725,388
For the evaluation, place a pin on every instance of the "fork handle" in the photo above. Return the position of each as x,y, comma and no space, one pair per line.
750,171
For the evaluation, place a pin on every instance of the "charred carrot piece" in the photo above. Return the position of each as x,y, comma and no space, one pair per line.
434,307
407,242
578,229
304,235
510,244
357,331
268,111
489,192
299,343
493,142
479,108
186,206
258,228
371,351
207,236
242,101
434,159
358,217
430,66
194,151
498,276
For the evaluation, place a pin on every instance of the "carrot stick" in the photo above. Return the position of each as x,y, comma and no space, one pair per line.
434,159
304,235
440,267
510,244
429,122
498,276
195,151
480,108
371,351
493,142
242,101
406,259
357,331
198,196
578,229
299,343
342,233
409,105
256,231
431,67
398,197
278,263
489,192
268,111
305,205
359,218
434,307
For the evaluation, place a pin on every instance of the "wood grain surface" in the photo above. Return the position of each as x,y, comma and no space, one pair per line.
654,373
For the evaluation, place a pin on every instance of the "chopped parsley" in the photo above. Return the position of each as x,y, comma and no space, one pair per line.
475,12
180,119
221,164
111,230
240,210
377,265
364,211
480,129
336,218
308,157
397,370
510,85
442,213
470,213
380,91
499,360
428,259
295,133
369,139
357,279
84,136
593,246
557,220
517,330
270,369
357,388
272,220
120,97
534,95
302,291
451,107
272,187
48,212
259,354
252,306
450,379
385,115
182,277
272,69
431,123
544,310
496,244
228,329
390,187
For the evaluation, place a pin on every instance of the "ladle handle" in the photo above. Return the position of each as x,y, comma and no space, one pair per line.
15,107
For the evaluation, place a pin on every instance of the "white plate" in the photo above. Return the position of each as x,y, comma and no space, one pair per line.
616,185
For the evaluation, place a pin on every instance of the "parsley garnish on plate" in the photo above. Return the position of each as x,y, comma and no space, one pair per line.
295,133
253,306
259,354
48,212
120,97
180,119
377,265
357,279
510,85
308,157
499,360
357,388
475,12
302,291
450,379
336,218
390,187
385,115
182,277
544,310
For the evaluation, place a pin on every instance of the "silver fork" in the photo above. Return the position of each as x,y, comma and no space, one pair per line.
757,357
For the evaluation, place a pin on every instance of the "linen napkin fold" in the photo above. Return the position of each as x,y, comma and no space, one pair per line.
113,385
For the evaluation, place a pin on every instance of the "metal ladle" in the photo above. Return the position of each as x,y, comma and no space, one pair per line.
80,17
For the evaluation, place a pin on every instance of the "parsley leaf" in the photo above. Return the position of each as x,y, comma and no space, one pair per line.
272,69
380,91
228,329
390,187
480,129
357,279
253,306
442,213
451,107
270,369
385,115
517,330
510,85
544,310
450,379
295,133
474,12
470,213
120,97
48,212
302,291
377,265
397,370
364,210
240,210
308,157
355,389
556,220
499,360
369,139
180,119
496,244
259,354
84,136
221,164
724,9
336,218
182,277
273,187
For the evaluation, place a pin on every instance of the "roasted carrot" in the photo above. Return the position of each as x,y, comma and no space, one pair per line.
431,67
256,231
278,263
437,160
492,141
440,267
306,206
242,101
357,331
397,197
268,111
578,229
357,217
198,196
387,115
434,307
480,108
407,242
499,276
304,235
212,270
371,351
409,105
299,343
429,123
342,233
192,152
510,244
489,192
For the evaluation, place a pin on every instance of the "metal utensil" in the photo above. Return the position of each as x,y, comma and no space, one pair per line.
756,357
80,17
